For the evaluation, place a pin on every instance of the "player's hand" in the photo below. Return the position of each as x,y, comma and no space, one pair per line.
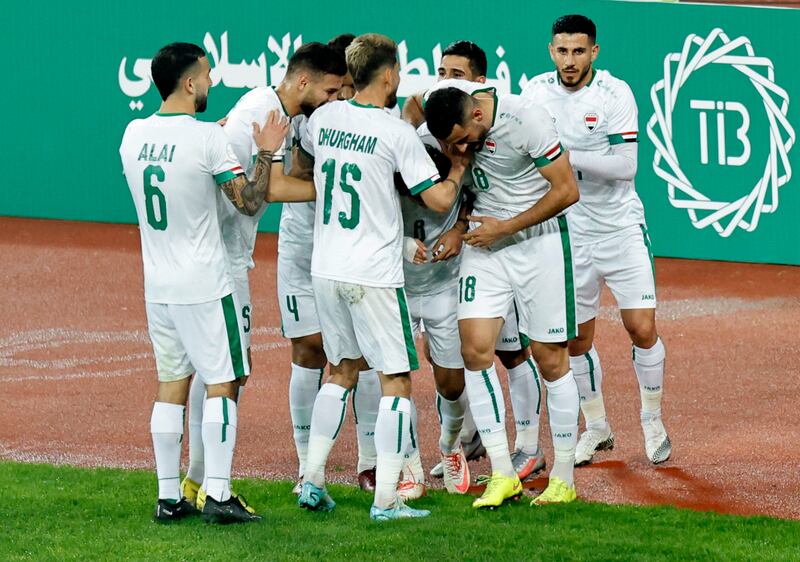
459,160
271,135
448,245
414,251
222,121
490,231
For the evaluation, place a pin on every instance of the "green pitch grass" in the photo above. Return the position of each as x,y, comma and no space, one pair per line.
58,513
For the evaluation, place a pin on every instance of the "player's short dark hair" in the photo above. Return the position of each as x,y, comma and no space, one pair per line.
442,163
367,55
341,42
170,63
575,23
444,109
470,51
318,58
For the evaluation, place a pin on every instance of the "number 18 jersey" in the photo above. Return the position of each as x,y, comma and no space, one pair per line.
173,165
358,228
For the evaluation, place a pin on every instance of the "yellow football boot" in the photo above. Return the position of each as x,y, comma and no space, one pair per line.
499,488
557,491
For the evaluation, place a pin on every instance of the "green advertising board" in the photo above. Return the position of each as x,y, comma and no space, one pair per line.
713,85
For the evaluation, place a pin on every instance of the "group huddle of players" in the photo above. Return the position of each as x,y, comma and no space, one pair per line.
489,222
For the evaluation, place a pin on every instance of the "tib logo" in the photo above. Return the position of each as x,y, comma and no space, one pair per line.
720,132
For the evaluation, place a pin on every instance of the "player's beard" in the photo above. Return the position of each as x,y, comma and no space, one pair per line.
200,103
307,109
580,78
391,101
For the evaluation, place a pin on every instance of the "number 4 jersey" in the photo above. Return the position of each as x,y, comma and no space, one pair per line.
173,165
358,229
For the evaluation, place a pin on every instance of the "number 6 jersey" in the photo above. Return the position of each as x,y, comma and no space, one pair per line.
173,165
358,228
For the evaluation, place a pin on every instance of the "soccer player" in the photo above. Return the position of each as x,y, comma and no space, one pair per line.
431,283
466,60
595,114
518,250
313,76
175,167
356,265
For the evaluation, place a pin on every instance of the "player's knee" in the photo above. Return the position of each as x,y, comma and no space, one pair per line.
309,353
226,389
450,383
579,346
643,333
477,355
511,359
553,361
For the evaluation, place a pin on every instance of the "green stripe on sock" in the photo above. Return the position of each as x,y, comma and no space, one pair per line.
569,282
538,384
344,410
411,431
319,383
591,370
234,343
408,335
490,388
355,413
224,419
439,407
399,431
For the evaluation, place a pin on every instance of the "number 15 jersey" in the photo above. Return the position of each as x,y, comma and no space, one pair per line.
358,228
173,165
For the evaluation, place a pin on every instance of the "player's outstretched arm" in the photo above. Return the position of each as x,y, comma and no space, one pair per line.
412,110
563,192
619,164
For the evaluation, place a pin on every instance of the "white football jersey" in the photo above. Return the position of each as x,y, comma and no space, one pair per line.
296,231
173,165
593,119
428,226
505,171
238,230
358,228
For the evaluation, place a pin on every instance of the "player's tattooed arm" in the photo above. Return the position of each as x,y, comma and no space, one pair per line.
248,196
563,192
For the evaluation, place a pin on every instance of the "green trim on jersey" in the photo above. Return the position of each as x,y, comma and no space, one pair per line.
589,83
408,334
225,176
543,160
280,101
422,186
619,139
363,105
490,388
234,343
174,114
569,282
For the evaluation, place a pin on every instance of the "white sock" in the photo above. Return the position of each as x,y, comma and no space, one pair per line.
526,403
392,439
219,439
303,387
197,396
649,367
451,418
330,408
489,411
166,427
412,470
366,397
562,408
588,374
468,428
